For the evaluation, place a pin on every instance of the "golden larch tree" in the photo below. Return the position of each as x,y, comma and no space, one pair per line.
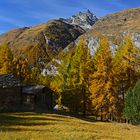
104,96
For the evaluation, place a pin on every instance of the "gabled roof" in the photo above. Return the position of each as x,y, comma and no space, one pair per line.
8,81
33,89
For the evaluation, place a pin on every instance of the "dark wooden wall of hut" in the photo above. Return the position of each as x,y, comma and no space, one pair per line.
44,99
10,99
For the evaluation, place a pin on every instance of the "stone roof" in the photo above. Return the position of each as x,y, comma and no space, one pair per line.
34,89
9,80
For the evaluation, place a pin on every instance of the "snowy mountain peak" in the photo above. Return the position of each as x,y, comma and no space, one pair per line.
83,19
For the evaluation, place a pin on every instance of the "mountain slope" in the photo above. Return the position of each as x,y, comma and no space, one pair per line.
117,25
42,42
114,26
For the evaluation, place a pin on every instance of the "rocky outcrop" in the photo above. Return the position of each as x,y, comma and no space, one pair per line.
136,39
83,19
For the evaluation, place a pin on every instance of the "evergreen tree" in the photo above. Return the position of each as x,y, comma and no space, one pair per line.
74,75
132,104
60,82
126,69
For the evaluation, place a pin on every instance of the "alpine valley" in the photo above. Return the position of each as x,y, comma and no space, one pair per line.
74,78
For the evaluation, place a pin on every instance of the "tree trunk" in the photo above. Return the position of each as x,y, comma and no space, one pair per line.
84,101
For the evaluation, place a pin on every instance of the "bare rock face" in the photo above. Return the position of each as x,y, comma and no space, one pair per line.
136,39
83,19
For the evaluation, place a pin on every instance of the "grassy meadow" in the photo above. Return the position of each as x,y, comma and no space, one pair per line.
51,126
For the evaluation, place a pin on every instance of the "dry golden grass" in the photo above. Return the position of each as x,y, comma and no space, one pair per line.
33,126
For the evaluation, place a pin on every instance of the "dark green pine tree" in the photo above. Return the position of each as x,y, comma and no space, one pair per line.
132,104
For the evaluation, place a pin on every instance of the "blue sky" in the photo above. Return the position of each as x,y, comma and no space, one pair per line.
20,13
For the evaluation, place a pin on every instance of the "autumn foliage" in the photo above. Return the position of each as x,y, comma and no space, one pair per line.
96,85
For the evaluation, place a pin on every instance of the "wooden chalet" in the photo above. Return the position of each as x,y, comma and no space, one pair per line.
17,97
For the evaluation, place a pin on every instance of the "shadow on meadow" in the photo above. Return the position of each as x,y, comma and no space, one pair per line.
11,121
6,129
56,123
64,115
28,120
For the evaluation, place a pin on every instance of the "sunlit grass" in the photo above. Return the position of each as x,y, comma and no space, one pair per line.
33,126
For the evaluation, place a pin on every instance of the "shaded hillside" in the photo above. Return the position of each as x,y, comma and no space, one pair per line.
42,42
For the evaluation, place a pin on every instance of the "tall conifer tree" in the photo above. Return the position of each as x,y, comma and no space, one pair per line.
104,96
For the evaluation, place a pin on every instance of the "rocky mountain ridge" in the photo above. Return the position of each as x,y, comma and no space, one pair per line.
83,19
114,26
43,42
